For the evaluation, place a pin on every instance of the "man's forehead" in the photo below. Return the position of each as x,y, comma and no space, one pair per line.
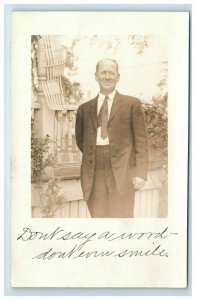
107,63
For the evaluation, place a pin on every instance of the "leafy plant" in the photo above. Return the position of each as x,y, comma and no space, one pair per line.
52,199
71,89
139,42
40,155
156,119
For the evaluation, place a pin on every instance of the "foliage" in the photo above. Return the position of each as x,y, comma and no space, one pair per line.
35,39
40,155
112,44
52,199
70,57
71,90
34,63
156,119
139,42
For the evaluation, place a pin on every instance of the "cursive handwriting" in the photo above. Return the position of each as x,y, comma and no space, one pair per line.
60,234
75,253
81,244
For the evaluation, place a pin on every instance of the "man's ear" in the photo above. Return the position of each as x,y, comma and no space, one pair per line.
96,77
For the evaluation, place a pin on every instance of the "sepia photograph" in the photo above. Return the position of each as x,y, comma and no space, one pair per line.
99,126
99,149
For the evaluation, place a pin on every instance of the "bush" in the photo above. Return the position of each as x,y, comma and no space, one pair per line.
40,155
52,199
156,119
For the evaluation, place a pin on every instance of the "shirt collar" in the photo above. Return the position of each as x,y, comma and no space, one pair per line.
111,96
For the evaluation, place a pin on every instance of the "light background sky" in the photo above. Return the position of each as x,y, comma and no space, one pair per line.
139,73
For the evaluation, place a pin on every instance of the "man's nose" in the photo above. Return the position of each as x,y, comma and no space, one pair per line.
107,75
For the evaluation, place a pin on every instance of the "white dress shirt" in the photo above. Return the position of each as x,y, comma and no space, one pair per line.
99,140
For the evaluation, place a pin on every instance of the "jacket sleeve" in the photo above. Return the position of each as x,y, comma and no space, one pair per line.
140,141
79,128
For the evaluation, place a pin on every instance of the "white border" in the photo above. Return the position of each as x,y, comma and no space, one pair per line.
194,119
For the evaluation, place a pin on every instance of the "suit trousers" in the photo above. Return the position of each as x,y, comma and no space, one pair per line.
105,200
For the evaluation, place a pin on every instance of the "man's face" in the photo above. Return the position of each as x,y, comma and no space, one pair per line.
107,76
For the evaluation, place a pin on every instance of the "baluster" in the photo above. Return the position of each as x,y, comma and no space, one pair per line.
58,129
67,150
64,131
73,132
70,128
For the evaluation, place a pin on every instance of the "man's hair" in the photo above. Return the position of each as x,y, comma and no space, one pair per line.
113,60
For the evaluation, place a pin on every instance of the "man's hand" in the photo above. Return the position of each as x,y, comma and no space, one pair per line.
138,183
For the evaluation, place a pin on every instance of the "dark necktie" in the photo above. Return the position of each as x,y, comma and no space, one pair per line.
103,118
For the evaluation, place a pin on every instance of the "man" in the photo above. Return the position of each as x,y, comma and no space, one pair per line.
110,132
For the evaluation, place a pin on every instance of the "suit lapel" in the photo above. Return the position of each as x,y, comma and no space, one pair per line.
93,111
117,102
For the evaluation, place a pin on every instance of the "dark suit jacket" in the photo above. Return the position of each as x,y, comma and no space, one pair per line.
127,139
